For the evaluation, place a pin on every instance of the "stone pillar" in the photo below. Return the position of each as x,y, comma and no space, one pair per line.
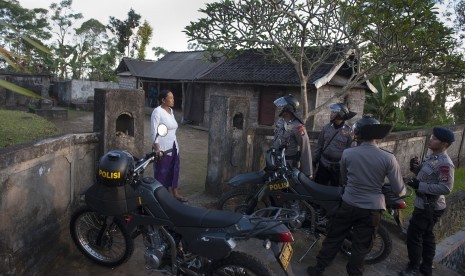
119,119
227,141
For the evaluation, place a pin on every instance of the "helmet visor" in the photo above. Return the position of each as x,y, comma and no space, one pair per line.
335,107
280,102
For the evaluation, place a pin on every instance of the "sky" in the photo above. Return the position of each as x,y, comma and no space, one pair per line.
167,17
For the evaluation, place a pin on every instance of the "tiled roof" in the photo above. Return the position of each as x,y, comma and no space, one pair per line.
134,66
173,66
249,66
252,67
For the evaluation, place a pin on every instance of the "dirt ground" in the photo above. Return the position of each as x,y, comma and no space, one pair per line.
193,143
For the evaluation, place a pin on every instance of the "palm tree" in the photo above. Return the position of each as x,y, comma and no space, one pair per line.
384,104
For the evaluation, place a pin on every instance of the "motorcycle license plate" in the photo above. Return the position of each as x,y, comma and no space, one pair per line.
286,255
278,186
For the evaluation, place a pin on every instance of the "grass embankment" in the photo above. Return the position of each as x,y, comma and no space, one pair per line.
18,127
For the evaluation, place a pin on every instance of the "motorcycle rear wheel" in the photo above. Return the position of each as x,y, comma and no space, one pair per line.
238,200
115,246
382,247
239,263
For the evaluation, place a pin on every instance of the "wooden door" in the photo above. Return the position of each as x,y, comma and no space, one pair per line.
266,107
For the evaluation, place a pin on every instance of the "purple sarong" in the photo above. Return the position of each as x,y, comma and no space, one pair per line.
166,170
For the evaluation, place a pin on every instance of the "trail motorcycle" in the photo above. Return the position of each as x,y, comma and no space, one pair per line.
179,239
280,185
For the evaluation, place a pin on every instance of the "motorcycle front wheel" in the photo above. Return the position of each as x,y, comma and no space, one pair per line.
240,200
107,246
382,247
239,263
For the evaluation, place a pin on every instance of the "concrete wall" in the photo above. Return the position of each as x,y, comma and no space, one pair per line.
70,91
39,185
404,145
128,82
119,119
355,101
227,140
230,90
39,84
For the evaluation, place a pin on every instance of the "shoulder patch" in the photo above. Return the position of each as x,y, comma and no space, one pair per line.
444,172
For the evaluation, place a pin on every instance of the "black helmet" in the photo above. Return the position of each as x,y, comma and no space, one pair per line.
289,104
115,168
342,111
368,128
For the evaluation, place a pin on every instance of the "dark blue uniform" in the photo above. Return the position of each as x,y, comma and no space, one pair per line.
327,153
436,177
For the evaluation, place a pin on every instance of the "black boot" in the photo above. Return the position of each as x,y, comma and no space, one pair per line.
426,271
410,271
315,270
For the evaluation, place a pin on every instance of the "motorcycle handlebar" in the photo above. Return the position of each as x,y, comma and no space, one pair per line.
411,191
148,158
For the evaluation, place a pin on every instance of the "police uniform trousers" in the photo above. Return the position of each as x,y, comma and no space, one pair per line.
328,175
365,223
421,243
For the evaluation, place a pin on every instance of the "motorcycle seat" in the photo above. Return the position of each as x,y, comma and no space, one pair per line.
183,215
247,179
320,192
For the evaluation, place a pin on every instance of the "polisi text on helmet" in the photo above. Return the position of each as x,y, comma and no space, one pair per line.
109,175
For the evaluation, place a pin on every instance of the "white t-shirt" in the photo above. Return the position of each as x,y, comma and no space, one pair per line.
161,116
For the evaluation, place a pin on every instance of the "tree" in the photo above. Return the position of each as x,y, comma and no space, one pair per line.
63,18
384,104
18,51
103,66
458,111
285,27
92,42
144,35
123,30
159,51
20,33
374,37
418,108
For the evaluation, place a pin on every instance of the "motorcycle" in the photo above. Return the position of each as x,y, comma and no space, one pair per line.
280,185
179,239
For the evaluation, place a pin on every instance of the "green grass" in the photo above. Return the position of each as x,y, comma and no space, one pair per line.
459,180
18,127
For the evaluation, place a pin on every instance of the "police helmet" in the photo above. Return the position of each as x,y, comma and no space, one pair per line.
288,104
368,128
115,168
342,112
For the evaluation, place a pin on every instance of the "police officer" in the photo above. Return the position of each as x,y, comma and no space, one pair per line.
364,169
434,179
290,131
334,138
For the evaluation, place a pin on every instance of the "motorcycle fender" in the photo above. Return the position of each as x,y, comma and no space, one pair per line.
247,179
212,245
